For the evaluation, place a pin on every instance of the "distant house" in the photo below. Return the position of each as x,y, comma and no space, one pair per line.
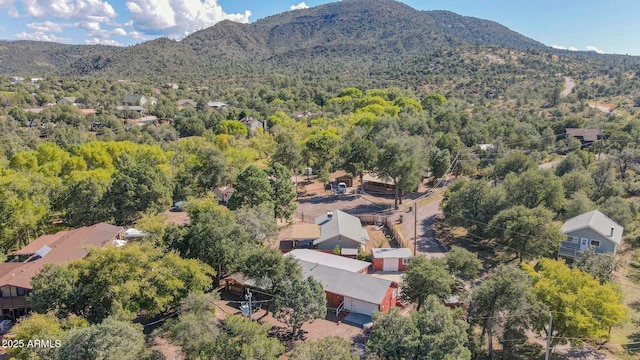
223,193
58,248
253,124
372,183
300,114
341,176
16,79
139,109
187,102
136,100
331,260
586,136
69,100
171,86
340,229
395,259
216,105
592,229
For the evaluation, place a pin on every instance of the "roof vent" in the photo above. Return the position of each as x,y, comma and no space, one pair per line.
329,215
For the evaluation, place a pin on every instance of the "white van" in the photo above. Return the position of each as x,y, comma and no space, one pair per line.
342,188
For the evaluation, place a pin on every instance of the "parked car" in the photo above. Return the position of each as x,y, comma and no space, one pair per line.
342,188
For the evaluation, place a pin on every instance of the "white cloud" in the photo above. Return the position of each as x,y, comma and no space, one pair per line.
40,36
95,10
119,32
561,47
178,18
98,41
300,6
47,26
595,49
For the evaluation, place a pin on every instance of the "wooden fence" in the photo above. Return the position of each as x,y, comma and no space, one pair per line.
390,224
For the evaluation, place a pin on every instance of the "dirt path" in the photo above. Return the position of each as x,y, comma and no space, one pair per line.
569,84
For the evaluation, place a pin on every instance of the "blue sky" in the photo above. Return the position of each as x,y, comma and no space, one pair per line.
605,26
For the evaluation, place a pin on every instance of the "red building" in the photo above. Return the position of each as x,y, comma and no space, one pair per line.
396,259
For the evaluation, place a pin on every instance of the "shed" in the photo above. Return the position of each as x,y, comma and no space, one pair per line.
394,259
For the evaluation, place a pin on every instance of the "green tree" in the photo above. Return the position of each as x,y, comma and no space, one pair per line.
214,238
580,305
38,326
247,340
432,103
84,202
322,149
283,191
396,163
358,156
505,300
463,263
425,277
109,340
578,204
394,336
472,204
600,266
529,233
258,222
516,162
620,210
534,188
251,188
439,162
578,181
430,333
299,301
118,281
136,188
327,348
232,127
196,329
288,152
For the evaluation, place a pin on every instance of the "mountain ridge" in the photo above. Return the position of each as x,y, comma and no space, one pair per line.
336,34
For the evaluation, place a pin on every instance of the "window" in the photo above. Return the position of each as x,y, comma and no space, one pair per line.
406,261
595,243
572,239
20,292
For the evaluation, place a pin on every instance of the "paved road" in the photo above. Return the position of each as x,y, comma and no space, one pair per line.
427,243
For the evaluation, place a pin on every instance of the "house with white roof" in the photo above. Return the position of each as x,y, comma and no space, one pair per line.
592,229
331,260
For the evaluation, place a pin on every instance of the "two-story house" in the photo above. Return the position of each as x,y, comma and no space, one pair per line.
592,229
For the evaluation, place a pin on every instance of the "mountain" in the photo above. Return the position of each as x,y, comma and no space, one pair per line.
363,36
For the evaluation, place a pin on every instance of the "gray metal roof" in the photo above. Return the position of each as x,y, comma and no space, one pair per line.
340,224
394,253
341,282
596,221
334,261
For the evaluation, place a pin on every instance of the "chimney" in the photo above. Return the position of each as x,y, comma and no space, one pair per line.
611,235
329,215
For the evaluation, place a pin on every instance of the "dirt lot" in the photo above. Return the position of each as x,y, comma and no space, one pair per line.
315,330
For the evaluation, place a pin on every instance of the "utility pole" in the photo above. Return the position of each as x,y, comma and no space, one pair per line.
249,296
548,352
415,228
